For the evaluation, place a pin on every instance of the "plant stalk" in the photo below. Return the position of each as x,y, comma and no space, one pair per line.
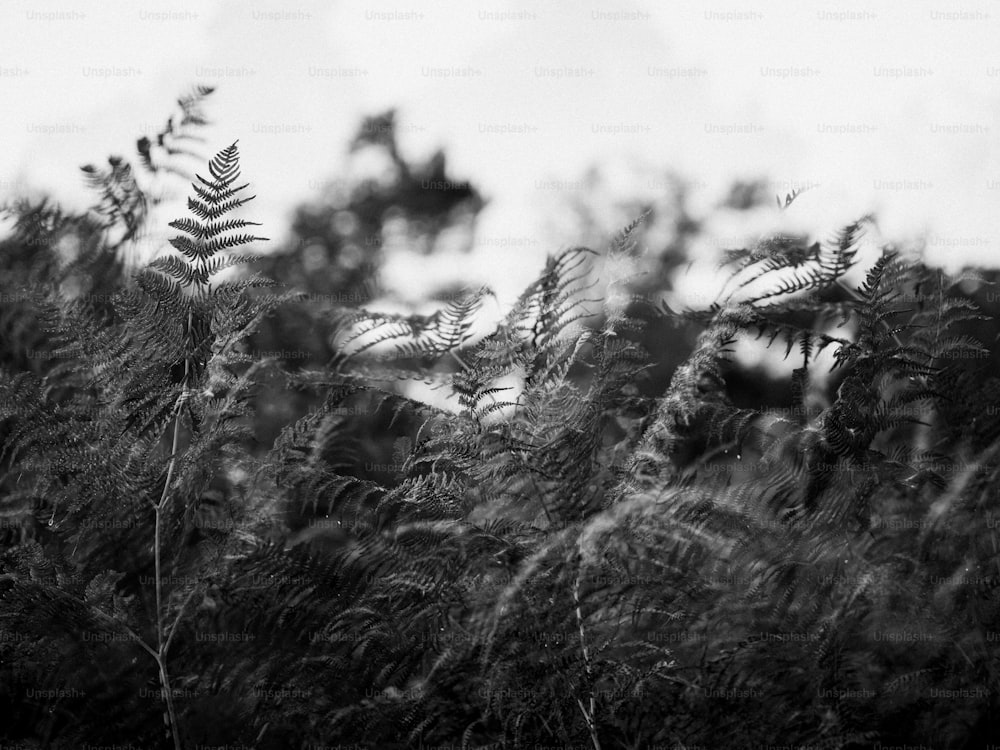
588,716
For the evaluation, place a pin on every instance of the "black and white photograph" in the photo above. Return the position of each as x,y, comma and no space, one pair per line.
499,374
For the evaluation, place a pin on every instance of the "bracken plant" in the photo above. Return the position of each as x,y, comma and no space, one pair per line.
558,561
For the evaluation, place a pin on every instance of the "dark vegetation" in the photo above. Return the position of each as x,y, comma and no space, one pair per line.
203,545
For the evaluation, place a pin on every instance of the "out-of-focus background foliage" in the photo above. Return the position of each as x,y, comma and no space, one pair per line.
342,244
403,154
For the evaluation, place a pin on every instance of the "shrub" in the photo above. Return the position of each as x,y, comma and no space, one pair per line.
557,562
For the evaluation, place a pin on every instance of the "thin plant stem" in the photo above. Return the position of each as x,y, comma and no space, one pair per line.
588,716
161,640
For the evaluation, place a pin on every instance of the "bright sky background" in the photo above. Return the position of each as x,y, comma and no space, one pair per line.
893,107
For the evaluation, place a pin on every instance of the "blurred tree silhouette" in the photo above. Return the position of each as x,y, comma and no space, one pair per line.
747,194
338,245
338,241
665,239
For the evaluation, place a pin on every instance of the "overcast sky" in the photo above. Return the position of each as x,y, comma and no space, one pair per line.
890,107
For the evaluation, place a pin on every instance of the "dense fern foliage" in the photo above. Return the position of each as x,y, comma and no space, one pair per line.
557,561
